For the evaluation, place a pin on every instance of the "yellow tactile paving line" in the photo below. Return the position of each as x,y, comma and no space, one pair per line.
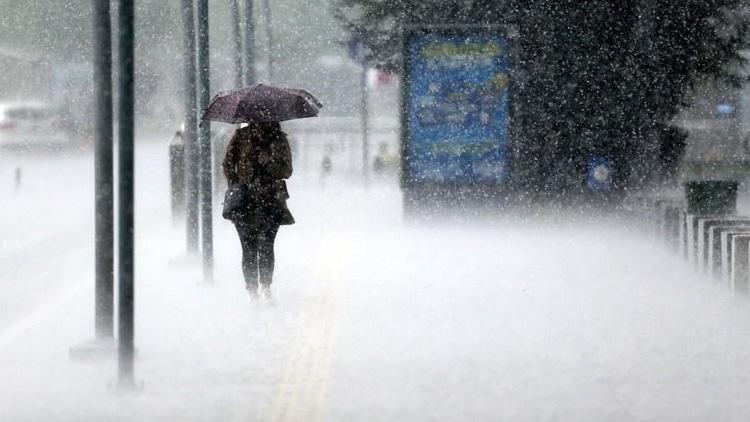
303,389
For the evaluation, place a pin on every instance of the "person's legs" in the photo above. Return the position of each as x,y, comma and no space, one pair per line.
249,241
266,239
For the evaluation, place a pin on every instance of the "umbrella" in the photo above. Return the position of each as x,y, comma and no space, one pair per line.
262,103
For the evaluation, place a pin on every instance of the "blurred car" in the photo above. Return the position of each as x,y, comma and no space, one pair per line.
31,126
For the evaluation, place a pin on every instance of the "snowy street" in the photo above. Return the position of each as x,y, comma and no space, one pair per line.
515,211
576,319
52,211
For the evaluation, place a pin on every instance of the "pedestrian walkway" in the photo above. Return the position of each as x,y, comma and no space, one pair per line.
553,318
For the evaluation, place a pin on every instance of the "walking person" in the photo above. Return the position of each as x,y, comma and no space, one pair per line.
258,159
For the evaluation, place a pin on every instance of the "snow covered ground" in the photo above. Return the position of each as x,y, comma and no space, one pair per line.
373,318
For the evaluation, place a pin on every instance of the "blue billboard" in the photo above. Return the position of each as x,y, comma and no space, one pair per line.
456,107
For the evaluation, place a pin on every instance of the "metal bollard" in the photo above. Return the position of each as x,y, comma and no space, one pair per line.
177,176
17,179
691,233
682,248
704,226
715,246
656,210
726,251
740,263
656,213
672,213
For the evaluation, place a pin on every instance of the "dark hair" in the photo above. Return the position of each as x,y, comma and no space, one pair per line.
268,131
264,131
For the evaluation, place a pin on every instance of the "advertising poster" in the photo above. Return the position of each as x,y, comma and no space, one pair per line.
457,107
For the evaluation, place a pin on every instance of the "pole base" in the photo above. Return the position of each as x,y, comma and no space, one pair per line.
95,349
127,386
186,259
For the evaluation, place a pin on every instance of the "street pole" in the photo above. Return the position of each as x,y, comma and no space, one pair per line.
365,116
250,77
104,172
237,35
126,192
204,141
269,36
191,127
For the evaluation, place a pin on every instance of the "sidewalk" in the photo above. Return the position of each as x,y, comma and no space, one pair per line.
374,320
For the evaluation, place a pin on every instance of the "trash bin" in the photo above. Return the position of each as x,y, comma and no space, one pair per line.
711,197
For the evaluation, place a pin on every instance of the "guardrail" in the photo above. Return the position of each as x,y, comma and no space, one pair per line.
717,245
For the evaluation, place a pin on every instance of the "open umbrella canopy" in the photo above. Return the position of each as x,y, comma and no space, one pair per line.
262,103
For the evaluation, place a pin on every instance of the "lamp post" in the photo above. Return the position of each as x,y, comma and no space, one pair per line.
250,77
237,36
126,192
365,122
269,37
191,125
104,169
204,142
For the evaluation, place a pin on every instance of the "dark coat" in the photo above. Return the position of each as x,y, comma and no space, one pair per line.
263,164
